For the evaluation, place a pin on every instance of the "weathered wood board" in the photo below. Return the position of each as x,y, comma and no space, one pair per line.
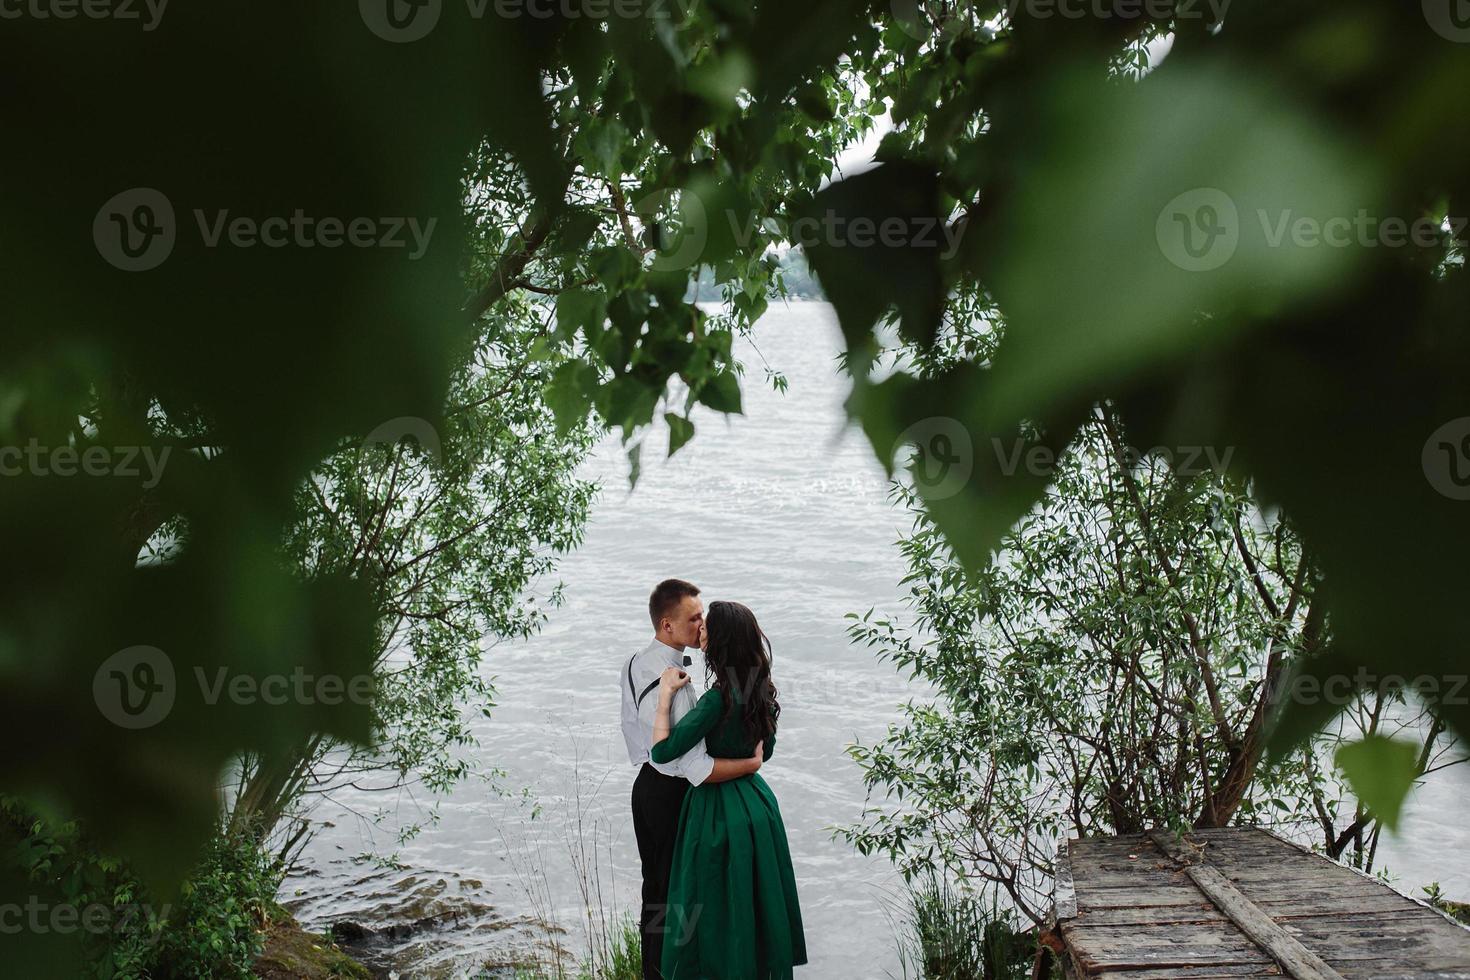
1240,903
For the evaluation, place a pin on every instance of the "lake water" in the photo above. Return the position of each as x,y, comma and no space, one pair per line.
784,509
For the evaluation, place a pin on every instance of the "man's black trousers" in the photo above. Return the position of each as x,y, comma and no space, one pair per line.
657,800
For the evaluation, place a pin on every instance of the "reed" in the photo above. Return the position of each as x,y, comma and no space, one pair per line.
952,933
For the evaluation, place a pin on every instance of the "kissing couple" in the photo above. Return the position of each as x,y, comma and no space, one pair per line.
719,893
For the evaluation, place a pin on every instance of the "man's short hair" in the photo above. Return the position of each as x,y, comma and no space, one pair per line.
666,595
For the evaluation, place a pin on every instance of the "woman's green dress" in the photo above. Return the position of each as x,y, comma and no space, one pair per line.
732,911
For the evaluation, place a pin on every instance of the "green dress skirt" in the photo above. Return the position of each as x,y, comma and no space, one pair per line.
732,913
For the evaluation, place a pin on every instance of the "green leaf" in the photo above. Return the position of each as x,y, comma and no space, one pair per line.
615,267
1124,295
1302,708
635,465
812,100
576,229
681,430
628,402
722,393
877,241
569,394
576,309
967,462
601,144
1381,772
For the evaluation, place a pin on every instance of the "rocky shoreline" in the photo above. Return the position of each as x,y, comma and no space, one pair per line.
397,922
292,953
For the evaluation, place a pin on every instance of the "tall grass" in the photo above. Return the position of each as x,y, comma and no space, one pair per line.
949,933
612,947
620,958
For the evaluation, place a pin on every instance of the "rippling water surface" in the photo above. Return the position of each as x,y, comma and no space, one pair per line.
784,509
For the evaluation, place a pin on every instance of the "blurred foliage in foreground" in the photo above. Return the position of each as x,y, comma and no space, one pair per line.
149,309
1210,227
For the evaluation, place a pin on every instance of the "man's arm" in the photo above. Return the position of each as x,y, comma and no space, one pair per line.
727,769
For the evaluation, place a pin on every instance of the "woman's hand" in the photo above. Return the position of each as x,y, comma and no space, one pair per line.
672,679
668,682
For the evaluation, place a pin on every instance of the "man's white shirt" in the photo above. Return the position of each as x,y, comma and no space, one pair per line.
639,680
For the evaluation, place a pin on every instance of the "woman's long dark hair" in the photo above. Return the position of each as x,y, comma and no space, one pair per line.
739,656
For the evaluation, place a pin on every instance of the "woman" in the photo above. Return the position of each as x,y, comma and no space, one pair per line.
732,911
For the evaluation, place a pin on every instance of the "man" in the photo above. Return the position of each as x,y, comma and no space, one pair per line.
658,792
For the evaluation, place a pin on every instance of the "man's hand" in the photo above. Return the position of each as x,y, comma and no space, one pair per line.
755,761
672,679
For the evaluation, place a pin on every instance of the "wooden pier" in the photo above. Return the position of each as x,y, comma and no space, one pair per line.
1237,903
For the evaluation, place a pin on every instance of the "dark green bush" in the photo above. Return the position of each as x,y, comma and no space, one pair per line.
88,914
215,930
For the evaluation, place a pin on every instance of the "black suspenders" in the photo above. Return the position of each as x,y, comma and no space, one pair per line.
638,698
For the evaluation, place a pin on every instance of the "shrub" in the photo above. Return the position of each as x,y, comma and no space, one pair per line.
215,930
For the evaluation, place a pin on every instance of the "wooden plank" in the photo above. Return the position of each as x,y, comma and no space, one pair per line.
1064,894
1212,972
1346,891
1407,941
1141,908
1089,899
1100,949
1199,911
1362,927
1387,903
1394,969
1294,958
